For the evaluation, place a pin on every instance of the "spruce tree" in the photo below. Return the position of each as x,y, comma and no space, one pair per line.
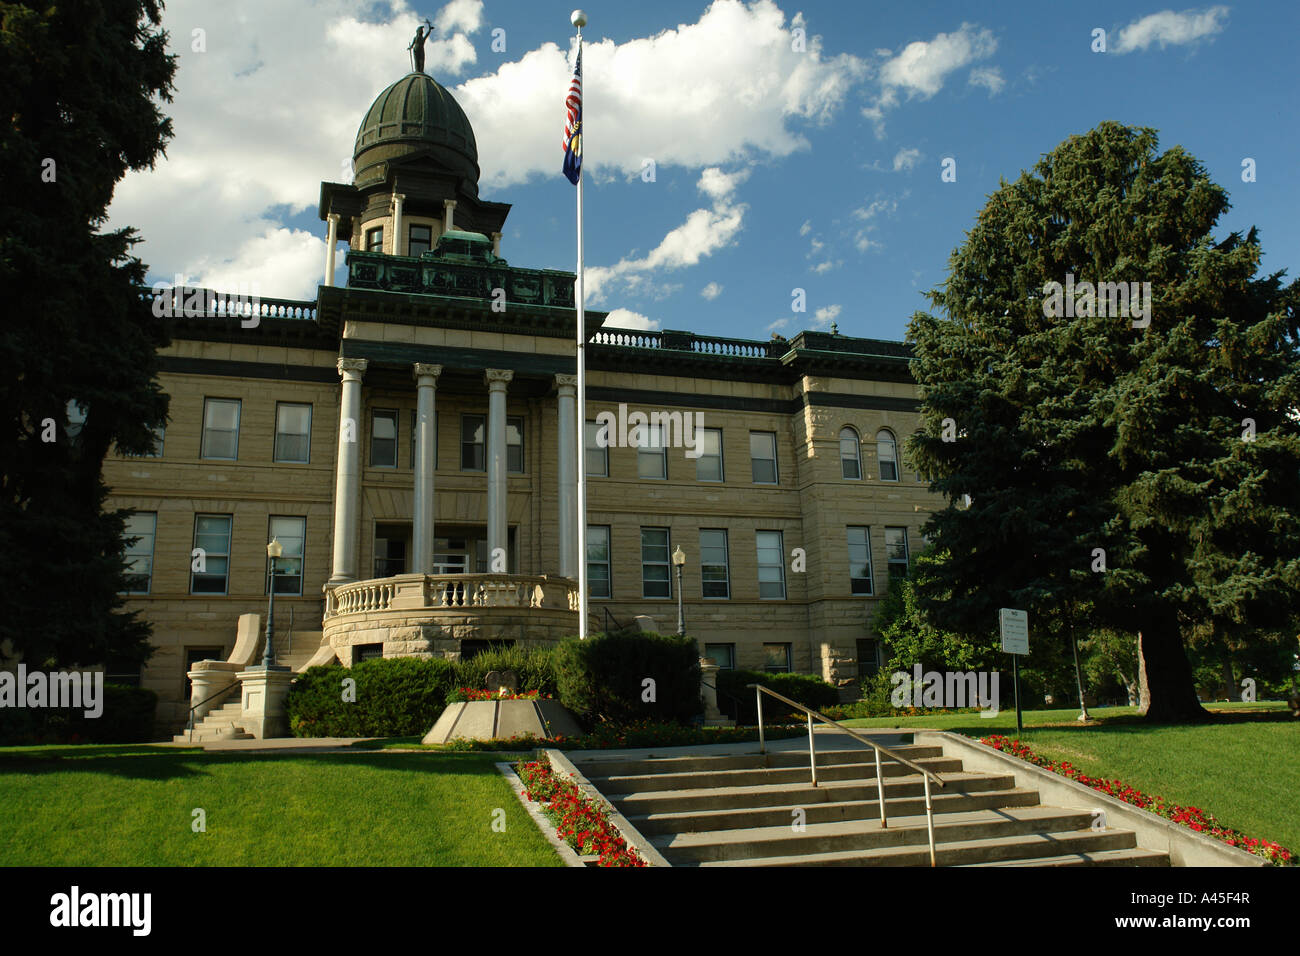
1137,471
81,84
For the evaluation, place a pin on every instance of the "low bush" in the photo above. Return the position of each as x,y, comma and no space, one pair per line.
127,718
533,666
602,679
807,689
395,696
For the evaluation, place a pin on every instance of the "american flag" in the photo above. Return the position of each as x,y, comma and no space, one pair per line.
573,125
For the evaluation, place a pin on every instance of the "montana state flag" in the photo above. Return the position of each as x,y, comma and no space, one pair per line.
573,125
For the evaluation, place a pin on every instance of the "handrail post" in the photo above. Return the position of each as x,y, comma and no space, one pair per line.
812,751
880,794
762,744
929,818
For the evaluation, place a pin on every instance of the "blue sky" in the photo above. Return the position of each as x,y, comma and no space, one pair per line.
775,168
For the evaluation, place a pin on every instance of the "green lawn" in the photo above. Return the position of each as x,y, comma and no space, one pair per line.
133,806
1243,767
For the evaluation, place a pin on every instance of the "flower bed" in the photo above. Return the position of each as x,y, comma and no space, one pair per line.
579,821
1193,817
462,694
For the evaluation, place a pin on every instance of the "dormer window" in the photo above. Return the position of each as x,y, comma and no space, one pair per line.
375,239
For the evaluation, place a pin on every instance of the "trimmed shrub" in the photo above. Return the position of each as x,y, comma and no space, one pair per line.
395,697
600,679
807,689
127,718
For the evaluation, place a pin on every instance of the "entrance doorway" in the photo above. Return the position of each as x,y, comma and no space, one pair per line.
392,549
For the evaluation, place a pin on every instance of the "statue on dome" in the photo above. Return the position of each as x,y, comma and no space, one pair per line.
422,33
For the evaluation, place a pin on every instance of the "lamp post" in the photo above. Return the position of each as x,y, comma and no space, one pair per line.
273,551
679,560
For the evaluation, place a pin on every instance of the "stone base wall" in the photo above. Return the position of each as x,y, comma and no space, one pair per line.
439,633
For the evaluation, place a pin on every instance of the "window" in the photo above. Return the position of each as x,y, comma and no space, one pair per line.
292,433
762,454
771,565
383,438
139,553
419,240
391,541
850,454
776,658
651,454
367,652
515,446
714,580
860,560
375,239
598,570
221,428
708,467
887,455
290,532
896,551
723,654
597,449
655,580
212,535
868,657
472,448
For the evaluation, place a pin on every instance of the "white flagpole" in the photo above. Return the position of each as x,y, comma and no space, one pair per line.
579,20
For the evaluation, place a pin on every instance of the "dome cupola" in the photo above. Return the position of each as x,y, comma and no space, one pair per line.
416,115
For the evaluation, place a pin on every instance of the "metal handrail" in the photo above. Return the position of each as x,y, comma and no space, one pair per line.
926,775
189,724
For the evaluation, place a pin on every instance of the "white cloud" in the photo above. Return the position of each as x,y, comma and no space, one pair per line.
806,227
627,319
711,291
718,185
874,208
906,158
778,325
868,214
824,316
278,264
823,267
922,67
989,77
1167,28
460,16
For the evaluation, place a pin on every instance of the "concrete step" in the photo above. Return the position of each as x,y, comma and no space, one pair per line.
629,766
700,821
860,835
640,782
1134,856
1009,850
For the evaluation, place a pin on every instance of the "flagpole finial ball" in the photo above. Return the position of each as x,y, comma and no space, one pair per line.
578,19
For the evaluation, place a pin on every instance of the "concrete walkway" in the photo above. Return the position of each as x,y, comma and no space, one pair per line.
280,745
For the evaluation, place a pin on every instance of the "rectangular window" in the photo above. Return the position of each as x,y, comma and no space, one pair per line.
515,446
221,428
771,565
868,657
139,553
651,453
375,239
708,467
776,658
723,654
655,579
472,448
212,536
420,240
860,560
599,584
292,433
383,438
291,533
762,454
896,551
597,450
714,579
367,652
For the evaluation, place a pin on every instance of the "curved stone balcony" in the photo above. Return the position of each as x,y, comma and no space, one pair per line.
429,615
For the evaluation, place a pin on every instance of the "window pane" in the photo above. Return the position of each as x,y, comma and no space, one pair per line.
290,533
771,565
724,654
375,240
652,456
887,455
851,466
762,453
597,449
139,554
859,542
776,658
713,564
708,467
383,438
212,534
598,576
292,433
515,445
419,241
220,429
472,450
655,580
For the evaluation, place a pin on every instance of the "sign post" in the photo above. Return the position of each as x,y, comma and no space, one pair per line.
1014,627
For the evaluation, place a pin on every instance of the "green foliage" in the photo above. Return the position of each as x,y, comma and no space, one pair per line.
532,665
601,679
127,718
82,84
807,689
395,696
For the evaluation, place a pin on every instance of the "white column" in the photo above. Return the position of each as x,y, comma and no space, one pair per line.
497,379
426,378
448,215
347,485
331,240
567,387
397,224
496,243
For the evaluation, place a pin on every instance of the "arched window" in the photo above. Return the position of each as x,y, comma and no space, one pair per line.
850,454
887,455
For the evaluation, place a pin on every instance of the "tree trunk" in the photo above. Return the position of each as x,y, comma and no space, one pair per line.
1229,680
1165,677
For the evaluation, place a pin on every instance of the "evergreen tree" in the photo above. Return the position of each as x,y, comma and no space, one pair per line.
80,82
1131,469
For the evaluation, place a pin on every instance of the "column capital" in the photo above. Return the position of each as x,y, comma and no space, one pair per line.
399,197
449,204
352,367
498,378
424,370
333,217
564,382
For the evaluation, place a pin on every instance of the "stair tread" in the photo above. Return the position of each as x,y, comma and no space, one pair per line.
805,786
612,779
1015,792
1085,856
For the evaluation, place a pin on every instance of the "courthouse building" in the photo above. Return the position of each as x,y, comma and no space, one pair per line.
410,440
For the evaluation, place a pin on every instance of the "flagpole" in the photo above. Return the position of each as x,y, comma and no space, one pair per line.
579,20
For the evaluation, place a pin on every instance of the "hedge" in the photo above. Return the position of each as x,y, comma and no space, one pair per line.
807,689
127,718
603,679
394,697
